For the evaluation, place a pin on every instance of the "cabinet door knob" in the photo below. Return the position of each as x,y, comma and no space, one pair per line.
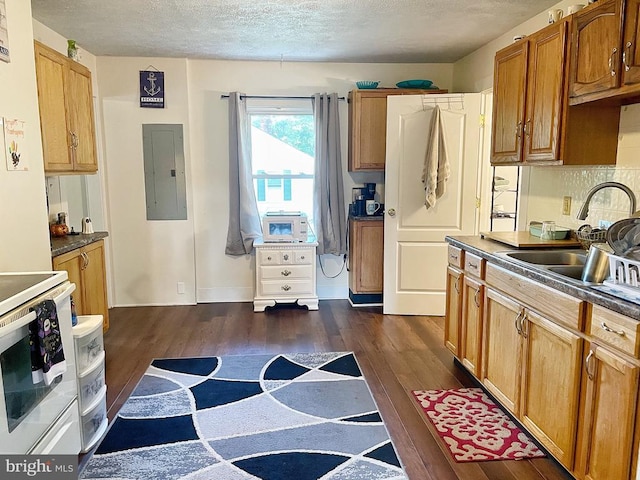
269,258
392,212
285,256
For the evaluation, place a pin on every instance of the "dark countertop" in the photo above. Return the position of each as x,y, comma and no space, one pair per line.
487,249
60,245
366,217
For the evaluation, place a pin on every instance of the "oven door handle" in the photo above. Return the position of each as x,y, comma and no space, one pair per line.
31,316
18,324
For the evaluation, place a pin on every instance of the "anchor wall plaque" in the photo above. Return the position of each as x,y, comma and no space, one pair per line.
151,89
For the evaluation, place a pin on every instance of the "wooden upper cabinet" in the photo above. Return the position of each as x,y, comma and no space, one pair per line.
51,72
630,50
596,56
368,126
65,100
528,101
533,123
545,94
510,73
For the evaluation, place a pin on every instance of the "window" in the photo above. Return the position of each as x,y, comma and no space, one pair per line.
283,155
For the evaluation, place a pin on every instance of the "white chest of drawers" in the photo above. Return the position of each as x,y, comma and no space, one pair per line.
285,273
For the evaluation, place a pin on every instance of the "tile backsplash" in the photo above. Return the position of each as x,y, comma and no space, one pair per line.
548,185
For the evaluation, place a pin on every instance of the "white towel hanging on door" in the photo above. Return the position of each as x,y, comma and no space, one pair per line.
436,169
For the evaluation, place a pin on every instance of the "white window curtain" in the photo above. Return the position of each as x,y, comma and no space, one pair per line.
244,219
329,205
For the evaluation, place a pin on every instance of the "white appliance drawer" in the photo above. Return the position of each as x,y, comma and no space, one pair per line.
63,438
286,272
287,288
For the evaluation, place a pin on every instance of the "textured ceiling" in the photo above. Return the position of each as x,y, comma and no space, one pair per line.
411,31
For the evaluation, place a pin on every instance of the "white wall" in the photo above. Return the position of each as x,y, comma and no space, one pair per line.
149,258
25,235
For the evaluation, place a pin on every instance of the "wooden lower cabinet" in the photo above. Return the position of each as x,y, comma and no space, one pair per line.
549,399
607,448
453,310
568,370
86,268
471,331
501,362
366,247
532,366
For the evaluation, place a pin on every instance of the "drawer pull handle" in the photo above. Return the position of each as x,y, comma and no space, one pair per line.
269,258
454,257
301,257
285,256
473,266
286,273
607,328
286,288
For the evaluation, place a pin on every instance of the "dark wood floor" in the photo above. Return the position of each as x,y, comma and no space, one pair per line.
396,353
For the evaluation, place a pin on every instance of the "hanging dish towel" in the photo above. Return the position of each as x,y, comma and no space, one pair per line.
436,165
47,356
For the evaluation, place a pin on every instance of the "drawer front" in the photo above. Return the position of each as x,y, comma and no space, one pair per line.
561,308
474,265
88,350
286,288
456,256
615,330
286,272
270,257
303,256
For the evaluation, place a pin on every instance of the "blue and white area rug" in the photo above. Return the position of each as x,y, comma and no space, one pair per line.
285,417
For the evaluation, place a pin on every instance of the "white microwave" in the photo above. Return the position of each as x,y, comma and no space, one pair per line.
279,227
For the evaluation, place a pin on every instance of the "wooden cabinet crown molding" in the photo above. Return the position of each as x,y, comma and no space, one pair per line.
65,101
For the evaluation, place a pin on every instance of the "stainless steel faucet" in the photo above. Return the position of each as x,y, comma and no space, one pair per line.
584,210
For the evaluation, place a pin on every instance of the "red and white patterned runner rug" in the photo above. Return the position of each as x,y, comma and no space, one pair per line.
473,427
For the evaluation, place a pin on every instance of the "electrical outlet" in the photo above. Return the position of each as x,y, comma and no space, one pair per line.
604,224
181,288
566,205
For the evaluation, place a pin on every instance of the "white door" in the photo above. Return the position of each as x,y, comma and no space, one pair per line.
415,251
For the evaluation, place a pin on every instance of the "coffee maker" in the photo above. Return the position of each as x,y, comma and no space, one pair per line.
358,202
359,197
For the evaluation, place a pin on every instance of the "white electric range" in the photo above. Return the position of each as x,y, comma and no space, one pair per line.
35,418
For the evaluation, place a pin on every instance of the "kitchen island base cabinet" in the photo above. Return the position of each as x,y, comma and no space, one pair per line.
86,268
285,273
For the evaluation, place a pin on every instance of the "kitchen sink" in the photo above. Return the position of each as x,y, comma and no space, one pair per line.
571,271
550,257
565,263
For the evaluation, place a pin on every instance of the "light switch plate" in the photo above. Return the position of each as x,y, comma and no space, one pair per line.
566,205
